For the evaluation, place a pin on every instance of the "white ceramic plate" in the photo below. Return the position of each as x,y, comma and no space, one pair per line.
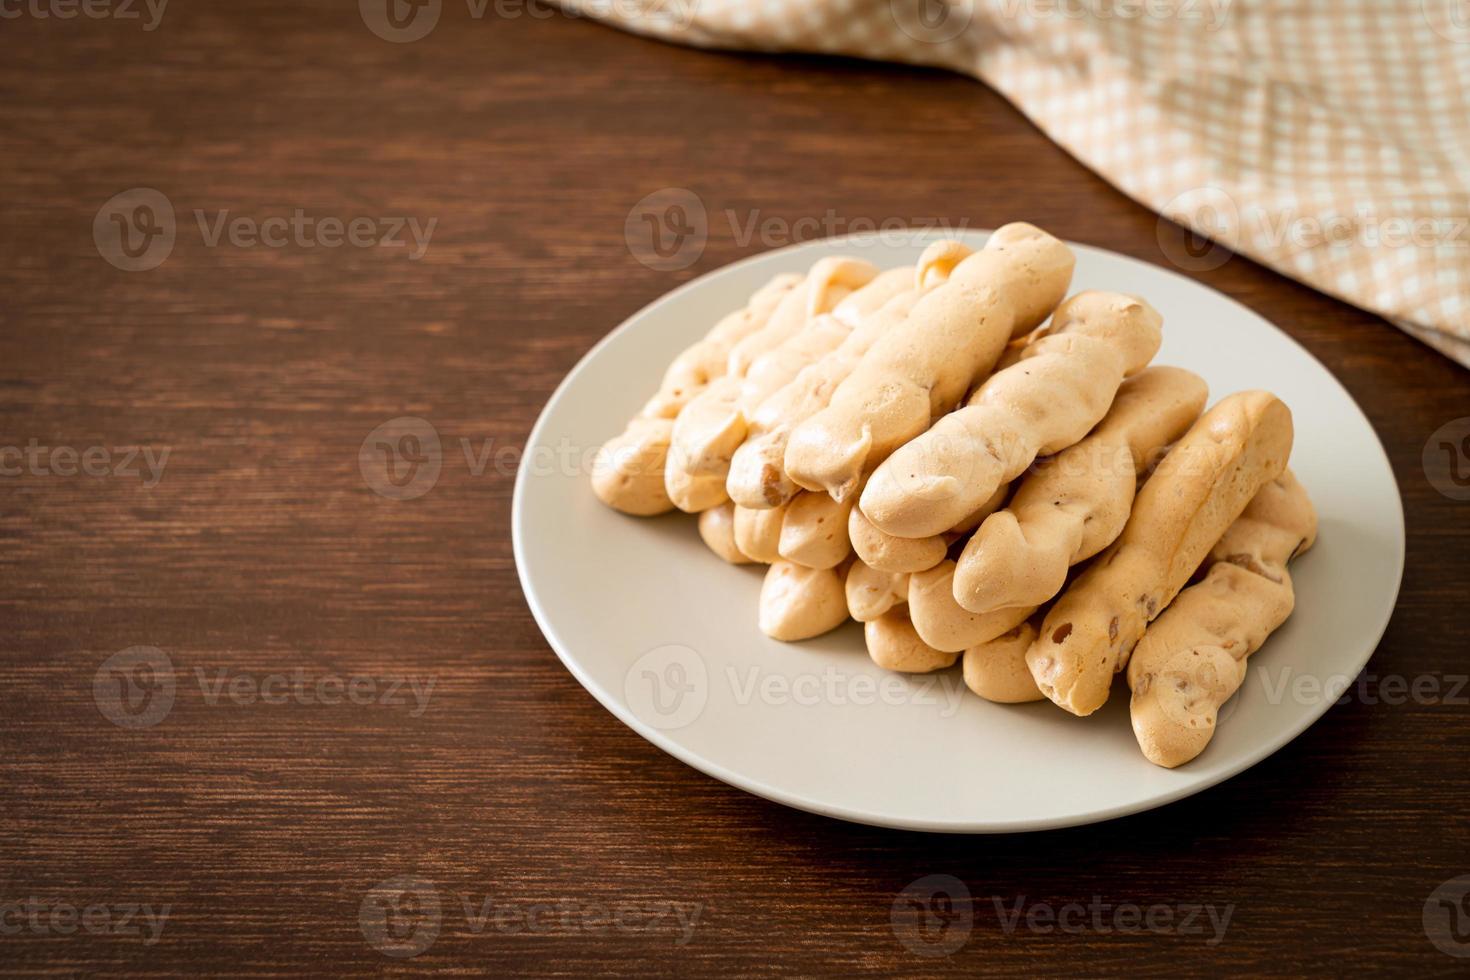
664,634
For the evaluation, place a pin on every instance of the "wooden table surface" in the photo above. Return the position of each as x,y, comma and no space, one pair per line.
245,828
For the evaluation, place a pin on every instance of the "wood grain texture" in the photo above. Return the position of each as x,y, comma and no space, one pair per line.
261,550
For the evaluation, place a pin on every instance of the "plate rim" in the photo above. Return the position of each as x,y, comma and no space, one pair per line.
757,787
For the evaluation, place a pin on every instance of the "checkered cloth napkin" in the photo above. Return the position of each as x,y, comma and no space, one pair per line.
1327,139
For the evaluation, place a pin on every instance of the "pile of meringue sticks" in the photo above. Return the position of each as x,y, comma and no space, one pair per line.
972,464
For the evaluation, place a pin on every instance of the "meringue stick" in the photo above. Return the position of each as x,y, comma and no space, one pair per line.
717,529
798,603
920,369
757,470
814,531
628,472
871,593
758,533
996,669
890,553
818,532
1060,388
713,424
871,292
1197,491
826,284
894,644
1193,657
943,623
708,358
1076,503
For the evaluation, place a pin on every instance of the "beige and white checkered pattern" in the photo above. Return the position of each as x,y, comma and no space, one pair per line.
1328,139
